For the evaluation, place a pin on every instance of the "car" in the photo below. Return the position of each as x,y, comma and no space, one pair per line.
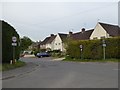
22,55
42,54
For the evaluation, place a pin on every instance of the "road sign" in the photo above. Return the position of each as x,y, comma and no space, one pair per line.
81,46
14,39
14,44
104,45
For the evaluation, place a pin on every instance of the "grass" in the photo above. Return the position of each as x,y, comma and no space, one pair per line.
5,67
91,60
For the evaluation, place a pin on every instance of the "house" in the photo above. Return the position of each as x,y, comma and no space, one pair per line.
47,43
103,30
42,45
33,46
59,42
82,35
54,42
50,43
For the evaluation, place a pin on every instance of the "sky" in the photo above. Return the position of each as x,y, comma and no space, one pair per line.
39,19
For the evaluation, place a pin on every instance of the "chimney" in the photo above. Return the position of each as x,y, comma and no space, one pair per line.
52,35
70,33
83,30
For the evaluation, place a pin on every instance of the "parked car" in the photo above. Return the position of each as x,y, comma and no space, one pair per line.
22,55
42,54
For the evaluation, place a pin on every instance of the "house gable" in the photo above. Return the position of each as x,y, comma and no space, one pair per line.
58,43
112,30
99,32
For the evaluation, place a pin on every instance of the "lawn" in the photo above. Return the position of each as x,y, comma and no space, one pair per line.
5,67
91,60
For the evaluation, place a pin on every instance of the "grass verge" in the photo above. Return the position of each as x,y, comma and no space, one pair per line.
91,60
5,67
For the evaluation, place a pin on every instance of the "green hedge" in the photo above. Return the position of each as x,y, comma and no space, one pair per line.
7,50
93,49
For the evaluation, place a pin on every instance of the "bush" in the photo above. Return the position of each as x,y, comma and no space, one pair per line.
35,52
7,49
93,49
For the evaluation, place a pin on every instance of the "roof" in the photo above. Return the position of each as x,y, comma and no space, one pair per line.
34,44
48,40
45,41
112,30
82,35
63,36
51,39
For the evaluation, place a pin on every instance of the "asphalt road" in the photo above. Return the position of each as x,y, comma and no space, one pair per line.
59,74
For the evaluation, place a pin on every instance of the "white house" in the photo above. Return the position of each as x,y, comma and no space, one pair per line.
103,30
48,43
54,42
59,42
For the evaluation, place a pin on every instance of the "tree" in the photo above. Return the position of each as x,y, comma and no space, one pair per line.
25,43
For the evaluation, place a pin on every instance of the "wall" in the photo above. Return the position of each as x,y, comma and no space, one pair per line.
58,43
99,32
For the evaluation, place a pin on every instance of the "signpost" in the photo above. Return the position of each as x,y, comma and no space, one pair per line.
104,45
14,44
81,49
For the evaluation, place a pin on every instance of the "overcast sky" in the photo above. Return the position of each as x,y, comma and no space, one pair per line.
40,19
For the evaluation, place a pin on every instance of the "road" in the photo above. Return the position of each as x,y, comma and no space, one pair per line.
59,74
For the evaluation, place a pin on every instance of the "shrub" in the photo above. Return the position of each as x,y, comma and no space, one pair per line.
35,52
93,49
7,49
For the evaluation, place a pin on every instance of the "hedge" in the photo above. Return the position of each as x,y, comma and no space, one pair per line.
7,50
93,49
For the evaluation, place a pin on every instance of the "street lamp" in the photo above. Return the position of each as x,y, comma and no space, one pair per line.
104,45
81,49
14,44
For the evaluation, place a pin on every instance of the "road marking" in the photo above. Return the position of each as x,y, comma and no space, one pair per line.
8,77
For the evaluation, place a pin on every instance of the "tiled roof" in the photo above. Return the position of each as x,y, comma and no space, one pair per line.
112,30
51,39
82,35
63,36
48,40
45,41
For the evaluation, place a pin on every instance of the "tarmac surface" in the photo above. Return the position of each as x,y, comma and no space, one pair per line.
49,73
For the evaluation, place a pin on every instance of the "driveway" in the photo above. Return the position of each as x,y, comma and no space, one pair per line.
48,73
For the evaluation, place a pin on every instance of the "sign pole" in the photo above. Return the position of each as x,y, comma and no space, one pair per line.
104,45
81,47
13,54
104,52
14,40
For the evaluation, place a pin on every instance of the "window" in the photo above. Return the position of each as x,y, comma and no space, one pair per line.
95,38
103,37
